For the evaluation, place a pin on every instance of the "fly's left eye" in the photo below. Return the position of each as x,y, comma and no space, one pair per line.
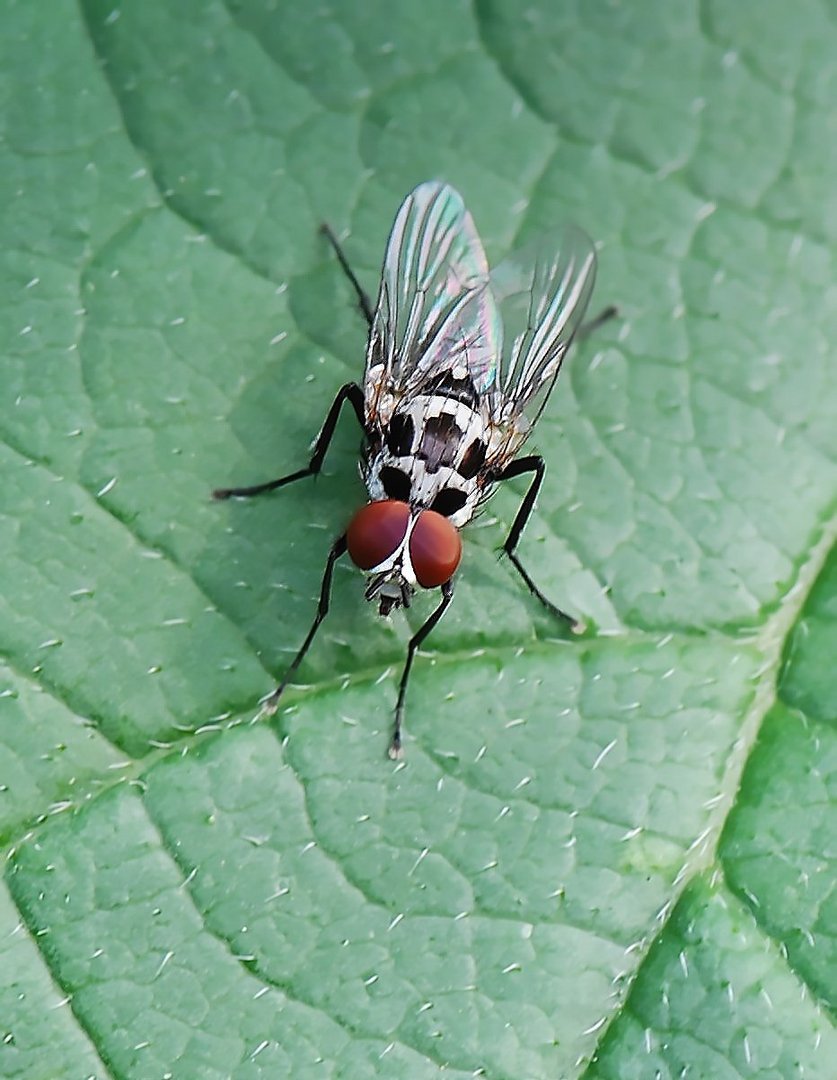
435,549
375,532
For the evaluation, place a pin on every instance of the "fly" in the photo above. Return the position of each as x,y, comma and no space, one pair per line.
459,365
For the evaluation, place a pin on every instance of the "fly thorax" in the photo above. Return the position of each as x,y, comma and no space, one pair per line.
433,451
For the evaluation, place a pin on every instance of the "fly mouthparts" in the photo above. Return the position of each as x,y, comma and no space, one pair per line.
391,593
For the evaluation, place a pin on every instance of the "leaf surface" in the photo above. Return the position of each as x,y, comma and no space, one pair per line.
605,856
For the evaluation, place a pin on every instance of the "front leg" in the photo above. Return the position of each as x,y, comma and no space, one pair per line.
352,393
395,752
534,463
338,548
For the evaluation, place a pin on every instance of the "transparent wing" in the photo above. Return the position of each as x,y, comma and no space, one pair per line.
435,312
543,291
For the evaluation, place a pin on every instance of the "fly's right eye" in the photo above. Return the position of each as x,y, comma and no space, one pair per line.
435,549
376,531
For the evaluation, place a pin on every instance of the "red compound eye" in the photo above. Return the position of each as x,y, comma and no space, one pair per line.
435,549
375,532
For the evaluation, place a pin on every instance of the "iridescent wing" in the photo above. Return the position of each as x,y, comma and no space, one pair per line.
542,291
435,314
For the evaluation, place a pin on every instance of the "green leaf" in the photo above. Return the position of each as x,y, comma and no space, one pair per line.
605,856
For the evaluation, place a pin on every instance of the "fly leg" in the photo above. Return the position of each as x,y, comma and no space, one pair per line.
395,752
338,548
534,463
352,393
592,325
363,300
